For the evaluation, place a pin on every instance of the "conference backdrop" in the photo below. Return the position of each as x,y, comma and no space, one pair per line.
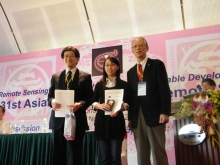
189,55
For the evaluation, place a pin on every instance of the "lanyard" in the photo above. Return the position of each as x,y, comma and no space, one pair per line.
68,81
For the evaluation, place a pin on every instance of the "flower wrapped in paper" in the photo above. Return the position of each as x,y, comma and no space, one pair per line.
204,107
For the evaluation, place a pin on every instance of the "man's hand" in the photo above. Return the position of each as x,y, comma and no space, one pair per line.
129,125
75,107
164,119
55,105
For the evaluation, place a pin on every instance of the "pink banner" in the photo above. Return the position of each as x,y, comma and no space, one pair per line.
189,56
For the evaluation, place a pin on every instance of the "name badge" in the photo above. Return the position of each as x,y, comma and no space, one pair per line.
142,86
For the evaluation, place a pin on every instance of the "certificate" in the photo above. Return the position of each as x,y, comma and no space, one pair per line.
64,98
117,96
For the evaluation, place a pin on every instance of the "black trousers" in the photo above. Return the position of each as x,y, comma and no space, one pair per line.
110,152
61,146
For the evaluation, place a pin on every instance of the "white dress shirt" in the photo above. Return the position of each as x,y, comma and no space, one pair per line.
5,127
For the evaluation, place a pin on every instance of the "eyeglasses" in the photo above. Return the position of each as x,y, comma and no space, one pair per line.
136,46
110,65
71,56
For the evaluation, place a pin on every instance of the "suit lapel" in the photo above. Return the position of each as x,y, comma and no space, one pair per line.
61,84
146,69
135,76
74,83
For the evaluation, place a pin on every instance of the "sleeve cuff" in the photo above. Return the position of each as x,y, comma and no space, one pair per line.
93,106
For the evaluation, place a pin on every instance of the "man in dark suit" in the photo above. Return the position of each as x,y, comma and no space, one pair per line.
150,106
81,83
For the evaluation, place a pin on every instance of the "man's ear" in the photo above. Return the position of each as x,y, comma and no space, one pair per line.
147,48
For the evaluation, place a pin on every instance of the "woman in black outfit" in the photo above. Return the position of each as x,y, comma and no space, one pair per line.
110,129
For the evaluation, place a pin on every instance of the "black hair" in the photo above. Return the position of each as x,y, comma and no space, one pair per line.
210,81
3,109
70,48
104,76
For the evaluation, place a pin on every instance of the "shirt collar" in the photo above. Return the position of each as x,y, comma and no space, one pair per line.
107,79
72,70
143,62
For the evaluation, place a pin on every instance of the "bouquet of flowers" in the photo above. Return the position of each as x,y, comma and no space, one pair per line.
204,107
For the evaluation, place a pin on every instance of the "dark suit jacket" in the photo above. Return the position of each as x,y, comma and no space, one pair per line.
82,85
158,98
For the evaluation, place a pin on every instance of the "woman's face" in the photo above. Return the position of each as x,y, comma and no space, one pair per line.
110,68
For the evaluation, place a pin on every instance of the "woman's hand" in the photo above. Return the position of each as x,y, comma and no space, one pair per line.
114,114
103,106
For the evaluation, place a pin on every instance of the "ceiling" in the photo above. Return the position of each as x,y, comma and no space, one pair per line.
28,25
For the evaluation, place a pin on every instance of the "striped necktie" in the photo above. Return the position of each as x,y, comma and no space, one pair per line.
68,79
140,72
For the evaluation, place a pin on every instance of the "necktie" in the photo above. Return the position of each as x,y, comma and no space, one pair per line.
68,79
140,72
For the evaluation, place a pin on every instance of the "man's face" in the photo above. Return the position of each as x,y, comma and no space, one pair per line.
206,86
1,113
70,59
139,48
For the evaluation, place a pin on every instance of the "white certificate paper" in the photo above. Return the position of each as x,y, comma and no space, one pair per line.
63,97
117,96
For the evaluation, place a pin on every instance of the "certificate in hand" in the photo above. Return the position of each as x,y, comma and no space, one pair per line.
117,96
64,98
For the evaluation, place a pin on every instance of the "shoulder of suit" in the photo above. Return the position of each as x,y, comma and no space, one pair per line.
57,73
83,73
154,60
98,85
122,81
133,68
123,84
